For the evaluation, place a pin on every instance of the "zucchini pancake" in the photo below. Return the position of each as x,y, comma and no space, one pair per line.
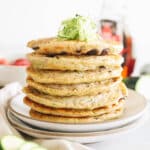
75,77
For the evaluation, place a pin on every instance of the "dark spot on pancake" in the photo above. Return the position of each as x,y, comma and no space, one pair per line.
56,54
87,85
104,52
35,48
62,53
102,67
109,71
51,55
96,118
92,52
78,51
57,57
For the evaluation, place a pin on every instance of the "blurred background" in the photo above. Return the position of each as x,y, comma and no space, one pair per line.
124,21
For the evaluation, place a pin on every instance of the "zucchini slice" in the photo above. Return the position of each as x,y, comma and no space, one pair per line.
11,142
28,146
39,148
143,86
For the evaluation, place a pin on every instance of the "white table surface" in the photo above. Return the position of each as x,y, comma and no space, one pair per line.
138,139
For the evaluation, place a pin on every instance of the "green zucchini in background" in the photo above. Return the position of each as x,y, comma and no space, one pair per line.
143,85
131,82
11,142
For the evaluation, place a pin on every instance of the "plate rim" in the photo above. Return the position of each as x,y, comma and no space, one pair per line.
126,127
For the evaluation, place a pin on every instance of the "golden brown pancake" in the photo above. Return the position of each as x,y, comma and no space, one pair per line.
73,63
73,77
76,120
74,89
77,102
56,46
73,112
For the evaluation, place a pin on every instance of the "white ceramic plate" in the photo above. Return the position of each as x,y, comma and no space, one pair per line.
88,137
135,106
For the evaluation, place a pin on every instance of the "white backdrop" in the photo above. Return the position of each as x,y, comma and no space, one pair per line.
23,20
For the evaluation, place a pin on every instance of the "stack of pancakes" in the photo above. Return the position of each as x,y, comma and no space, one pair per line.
74,81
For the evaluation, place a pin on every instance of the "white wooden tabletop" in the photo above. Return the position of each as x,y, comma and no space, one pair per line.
138,139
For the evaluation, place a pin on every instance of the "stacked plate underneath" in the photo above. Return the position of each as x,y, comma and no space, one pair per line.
134,115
